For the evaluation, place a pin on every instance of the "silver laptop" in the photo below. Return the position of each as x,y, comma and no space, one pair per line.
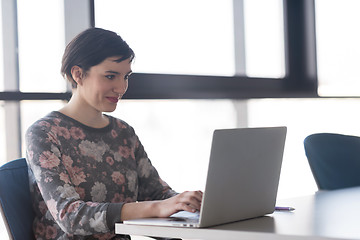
242,180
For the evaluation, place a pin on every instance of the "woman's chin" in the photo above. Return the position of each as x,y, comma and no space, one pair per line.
109,108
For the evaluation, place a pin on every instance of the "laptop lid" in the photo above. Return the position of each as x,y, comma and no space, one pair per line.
243,174
242,180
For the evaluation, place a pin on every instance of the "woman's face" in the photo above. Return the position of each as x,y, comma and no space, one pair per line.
105,83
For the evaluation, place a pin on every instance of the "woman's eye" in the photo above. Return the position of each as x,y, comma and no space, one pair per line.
111,77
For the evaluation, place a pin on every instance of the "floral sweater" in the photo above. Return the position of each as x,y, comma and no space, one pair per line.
80,177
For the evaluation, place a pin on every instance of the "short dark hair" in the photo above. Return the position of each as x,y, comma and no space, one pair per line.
90,48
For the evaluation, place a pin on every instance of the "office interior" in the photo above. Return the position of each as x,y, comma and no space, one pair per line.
200,65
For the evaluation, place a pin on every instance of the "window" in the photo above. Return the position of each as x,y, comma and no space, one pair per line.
41,45
197,37
264,38
338,49
181,37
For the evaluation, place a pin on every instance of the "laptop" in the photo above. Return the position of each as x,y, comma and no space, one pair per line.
242,180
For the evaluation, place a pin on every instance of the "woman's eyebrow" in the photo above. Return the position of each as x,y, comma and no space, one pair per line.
117,73
113,72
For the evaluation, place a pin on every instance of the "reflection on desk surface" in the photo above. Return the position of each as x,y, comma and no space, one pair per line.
337,212
327,214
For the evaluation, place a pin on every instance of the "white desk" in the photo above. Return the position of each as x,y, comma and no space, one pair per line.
325,215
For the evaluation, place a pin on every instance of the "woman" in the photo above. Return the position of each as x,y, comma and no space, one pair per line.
88,170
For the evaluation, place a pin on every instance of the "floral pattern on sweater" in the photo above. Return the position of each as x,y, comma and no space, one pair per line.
80,177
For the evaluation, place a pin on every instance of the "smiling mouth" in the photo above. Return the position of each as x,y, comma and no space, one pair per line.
113,99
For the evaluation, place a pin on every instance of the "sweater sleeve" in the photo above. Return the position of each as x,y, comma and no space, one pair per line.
151,186
51,172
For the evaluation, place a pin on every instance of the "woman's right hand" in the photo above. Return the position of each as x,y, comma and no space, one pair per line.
187,201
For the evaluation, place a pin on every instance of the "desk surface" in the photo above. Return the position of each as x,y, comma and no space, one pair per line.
325,215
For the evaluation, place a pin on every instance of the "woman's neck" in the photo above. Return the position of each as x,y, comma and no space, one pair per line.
84,114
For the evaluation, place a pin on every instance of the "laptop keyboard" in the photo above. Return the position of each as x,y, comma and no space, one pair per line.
186,216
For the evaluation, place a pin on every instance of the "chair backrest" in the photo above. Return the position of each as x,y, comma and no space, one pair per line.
334,160
15,199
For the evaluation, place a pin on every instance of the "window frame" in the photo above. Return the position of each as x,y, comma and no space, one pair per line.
299,81
300,61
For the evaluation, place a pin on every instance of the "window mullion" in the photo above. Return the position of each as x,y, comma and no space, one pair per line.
11,79
78,16
300,42
239,38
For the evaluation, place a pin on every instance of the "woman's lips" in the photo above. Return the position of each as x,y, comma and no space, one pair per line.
113,99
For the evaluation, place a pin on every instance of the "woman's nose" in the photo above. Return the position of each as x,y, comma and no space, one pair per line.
121,87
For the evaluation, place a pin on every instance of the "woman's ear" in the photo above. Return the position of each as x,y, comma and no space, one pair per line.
77,74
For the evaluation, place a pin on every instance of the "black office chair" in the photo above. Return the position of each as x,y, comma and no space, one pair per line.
15,200
334,160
